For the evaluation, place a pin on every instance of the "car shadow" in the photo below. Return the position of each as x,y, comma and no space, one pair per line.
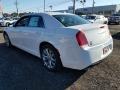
116,36
22,71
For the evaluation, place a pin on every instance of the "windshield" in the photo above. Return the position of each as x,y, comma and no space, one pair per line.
1,18
70,20
90,17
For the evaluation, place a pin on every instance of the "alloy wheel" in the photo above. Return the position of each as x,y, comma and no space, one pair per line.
49,58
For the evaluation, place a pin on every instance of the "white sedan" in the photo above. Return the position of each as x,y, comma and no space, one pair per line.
61,40
97,19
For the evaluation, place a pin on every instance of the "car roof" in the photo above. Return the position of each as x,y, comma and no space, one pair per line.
48,13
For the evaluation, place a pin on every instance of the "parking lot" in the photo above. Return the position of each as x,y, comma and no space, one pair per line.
22,71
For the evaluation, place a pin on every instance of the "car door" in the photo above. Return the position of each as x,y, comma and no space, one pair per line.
18,29
32,34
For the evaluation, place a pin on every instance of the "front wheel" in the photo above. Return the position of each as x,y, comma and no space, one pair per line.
7,40
50,58
7,24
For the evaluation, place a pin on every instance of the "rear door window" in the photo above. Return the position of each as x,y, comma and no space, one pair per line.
36,21
33,22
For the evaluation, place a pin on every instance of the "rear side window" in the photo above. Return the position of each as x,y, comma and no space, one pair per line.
33,22
36,21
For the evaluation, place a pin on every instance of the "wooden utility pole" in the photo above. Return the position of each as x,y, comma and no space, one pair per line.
44,5
74,1
17,10
93,6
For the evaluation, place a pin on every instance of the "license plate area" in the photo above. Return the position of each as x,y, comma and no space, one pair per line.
107,49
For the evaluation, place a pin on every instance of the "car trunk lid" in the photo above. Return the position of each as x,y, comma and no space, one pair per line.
95,33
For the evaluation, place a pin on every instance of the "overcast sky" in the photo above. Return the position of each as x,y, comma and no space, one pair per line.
37,5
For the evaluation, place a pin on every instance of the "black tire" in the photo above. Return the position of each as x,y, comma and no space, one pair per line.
7,24
57,66
105,22
109,23
7,40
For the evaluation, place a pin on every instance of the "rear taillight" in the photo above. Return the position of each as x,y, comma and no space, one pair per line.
81,38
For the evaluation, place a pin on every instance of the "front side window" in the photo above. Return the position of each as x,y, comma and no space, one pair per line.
23,22
91,17
70,20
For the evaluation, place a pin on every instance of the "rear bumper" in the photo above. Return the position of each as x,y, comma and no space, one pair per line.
82,58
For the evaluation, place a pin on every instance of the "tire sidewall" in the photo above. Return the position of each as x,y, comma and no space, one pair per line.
58,66
5,35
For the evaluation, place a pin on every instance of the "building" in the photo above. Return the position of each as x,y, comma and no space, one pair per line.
104,10
69,10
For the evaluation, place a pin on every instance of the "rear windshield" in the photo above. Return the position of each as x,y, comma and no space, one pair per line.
90,17
70,20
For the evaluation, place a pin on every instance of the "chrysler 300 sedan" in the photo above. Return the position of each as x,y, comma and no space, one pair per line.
61,40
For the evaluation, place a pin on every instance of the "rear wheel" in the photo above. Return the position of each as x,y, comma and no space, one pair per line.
7,40
50,58
105,22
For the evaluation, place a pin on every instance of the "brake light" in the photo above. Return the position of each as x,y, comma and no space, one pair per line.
81,38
